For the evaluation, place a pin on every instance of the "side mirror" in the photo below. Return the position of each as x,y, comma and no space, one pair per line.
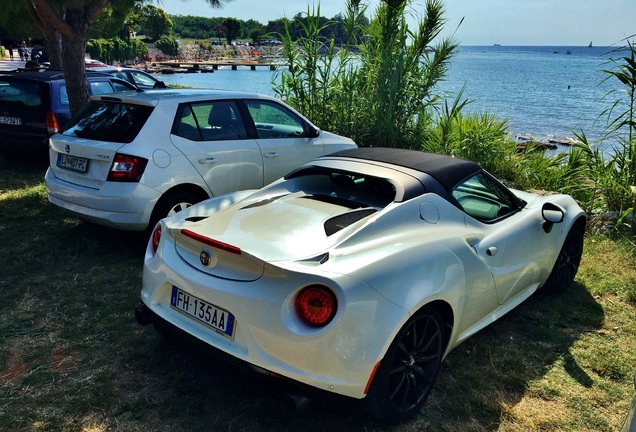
314,132
552,213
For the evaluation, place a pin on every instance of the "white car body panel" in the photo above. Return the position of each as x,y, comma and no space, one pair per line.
211,168
382,269
222,165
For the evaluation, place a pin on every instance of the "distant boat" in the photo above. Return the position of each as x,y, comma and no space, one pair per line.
568,52
590,45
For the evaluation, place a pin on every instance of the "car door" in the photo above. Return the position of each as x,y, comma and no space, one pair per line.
286,141
509,239
213,138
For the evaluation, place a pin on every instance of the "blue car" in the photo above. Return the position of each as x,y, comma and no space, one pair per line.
34,105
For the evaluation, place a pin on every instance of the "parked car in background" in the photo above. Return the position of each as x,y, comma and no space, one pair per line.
140,78
92,63
127,161
357,273
34,105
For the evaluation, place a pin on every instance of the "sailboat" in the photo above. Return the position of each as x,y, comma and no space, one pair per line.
590,45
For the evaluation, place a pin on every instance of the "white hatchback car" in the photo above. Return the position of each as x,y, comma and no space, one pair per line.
128,160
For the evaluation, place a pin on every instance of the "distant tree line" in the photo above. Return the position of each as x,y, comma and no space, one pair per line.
202,28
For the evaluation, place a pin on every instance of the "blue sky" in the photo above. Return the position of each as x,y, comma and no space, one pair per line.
486,22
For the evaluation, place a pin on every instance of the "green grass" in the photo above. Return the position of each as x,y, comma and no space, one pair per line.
72,357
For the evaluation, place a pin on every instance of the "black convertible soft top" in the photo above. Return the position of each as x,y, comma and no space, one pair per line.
447,170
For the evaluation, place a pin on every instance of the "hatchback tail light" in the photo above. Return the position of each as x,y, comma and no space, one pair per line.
52,126
316,305
127,168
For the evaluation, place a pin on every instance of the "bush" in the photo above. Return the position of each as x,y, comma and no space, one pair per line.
375,92
115,50
168,46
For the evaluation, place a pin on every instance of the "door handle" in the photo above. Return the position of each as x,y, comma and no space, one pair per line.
492,251
207,160
270,155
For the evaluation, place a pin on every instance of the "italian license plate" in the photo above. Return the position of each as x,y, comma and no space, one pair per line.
220,320
72,163
17,121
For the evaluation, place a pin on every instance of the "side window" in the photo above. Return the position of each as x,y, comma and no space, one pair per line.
185,124
63,95
219,120
100,87
119,87
274,121
142,79
483,198
120,75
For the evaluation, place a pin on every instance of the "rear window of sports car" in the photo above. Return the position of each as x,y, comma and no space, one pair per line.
348,189
109,121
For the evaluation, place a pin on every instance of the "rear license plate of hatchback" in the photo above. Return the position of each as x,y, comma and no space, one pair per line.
16,121
220,320
72,163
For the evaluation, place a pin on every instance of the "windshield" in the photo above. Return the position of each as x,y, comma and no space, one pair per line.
109,121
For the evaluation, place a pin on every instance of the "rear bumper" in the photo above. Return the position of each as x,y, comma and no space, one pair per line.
125,206
207,356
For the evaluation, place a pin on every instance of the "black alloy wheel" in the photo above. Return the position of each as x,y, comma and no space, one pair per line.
567,263
408,371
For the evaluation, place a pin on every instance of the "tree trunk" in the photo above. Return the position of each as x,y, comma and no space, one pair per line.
53,45
71,19
75,72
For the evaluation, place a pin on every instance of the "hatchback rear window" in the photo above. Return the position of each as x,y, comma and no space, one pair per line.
21,93
109,121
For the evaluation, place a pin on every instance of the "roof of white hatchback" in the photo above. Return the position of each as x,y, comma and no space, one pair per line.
152,97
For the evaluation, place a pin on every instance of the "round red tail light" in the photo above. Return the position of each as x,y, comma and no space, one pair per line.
316,305
156,236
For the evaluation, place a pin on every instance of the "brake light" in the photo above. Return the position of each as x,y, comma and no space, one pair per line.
211,242
316,305
156,237
127,168
52,126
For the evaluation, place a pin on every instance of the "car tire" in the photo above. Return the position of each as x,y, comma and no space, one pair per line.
567,263
408,371
172,203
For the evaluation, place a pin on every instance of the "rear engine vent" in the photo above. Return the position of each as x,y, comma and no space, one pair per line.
196,218
342,221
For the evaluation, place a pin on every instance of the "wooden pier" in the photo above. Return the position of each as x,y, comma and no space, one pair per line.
185,66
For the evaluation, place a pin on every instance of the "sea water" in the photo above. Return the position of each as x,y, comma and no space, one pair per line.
547,93
544,93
